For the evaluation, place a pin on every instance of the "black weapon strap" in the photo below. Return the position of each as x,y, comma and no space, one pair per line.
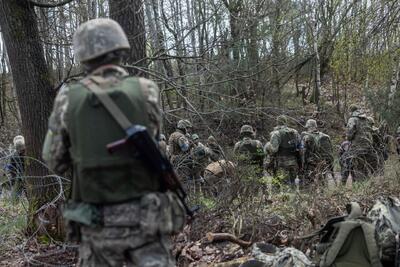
107,102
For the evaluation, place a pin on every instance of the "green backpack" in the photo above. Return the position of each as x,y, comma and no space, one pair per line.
348,241
324,147
354,240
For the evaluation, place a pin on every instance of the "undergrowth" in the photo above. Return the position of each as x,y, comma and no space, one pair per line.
250,209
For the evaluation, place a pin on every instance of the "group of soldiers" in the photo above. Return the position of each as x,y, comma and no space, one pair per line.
287,155
191,158
117,208
310,155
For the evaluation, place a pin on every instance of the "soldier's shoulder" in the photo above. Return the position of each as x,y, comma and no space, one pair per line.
149,87
176,135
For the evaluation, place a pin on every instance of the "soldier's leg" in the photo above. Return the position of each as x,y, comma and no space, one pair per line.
156,253
102,247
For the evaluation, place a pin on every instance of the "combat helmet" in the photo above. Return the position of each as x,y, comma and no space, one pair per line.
211,140
282,120
98,37
353,107
184,125
195,137
247,130
311,124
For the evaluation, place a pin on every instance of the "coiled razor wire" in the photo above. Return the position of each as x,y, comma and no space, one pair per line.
14,174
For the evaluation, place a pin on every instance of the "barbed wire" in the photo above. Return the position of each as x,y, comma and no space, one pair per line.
19,186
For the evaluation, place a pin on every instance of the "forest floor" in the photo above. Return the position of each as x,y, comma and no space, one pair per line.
279,217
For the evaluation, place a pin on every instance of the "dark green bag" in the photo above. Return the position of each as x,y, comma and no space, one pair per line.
349,242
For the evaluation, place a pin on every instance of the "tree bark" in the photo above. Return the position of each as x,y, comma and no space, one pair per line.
130,14
33,87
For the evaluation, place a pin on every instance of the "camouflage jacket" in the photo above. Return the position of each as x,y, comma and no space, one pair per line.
358,131
309,145
57,142
274,145
250,148
178,143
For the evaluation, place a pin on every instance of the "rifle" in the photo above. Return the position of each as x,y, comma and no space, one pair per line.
138,137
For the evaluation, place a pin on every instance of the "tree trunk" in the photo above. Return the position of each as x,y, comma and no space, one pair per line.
130,14
34,89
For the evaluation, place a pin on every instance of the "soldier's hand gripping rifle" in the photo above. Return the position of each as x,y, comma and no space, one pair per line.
138,138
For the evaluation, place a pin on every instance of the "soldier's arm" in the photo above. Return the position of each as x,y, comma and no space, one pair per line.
57,142
151,93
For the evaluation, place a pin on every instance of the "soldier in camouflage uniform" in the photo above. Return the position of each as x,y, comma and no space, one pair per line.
358,132
317,152
249,150
178,141
215,151
179,144
116,208
284,146
199,155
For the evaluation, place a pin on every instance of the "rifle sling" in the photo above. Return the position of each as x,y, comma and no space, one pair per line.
108,103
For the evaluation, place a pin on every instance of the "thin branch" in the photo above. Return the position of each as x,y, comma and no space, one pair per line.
44,5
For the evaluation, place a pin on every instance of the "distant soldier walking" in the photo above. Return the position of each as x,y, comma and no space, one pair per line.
115,208
317,152
284,146
249,150
358,132
179,148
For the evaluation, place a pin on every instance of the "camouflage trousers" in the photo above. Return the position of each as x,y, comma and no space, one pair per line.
116,246
288,169
134,233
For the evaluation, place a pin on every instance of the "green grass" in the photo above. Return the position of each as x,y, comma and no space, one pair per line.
13,220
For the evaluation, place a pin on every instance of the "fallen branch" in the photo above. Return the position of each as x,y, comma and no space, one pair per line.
215,237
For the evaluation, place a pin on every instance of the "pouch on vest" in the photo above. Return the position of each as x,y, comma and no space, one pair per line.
83,213
161,213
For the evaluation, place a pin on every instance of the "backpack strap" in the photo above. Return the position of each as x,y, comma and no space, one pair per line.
369,234
107,102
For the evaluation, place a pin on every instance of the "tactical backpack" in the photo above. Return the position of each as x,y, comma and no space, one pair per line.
355,240
248,148
348,241
288,144
324,147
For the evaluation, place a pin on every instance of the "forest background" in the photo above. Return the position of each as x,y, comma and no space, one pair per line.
220,63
